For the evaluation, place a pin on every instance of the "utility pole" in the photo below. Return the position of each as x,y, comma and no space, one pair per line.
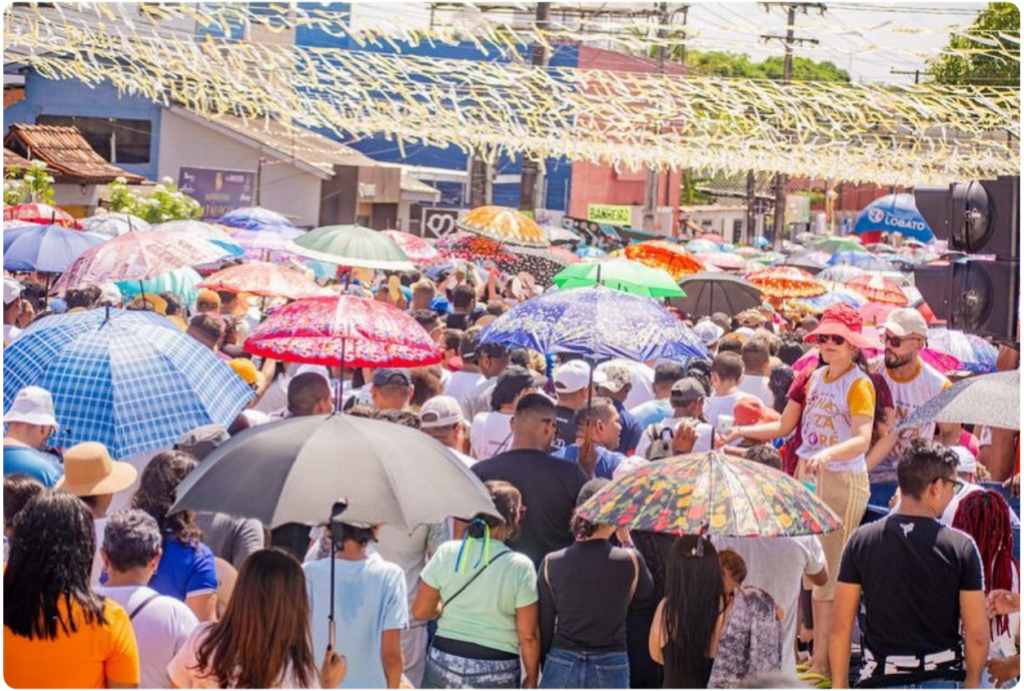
530,180
651,183
787,75
916,73
478,172
749,227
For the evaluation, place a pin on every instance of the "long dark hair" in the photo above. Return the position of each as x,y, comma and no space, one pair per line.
51,561
693,601
265,629
155,495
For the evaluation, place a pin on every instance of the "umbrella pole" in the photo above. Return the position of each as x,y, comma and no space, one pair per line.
339,408
46,293
142,293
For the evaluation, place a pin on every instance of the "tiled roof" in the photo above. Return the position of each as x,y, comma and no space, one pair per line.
13,160
65,150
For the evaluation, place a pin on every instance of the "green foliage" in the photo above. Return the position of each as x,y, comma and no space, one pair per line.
689,194
34,185
166,203
736,65
987,68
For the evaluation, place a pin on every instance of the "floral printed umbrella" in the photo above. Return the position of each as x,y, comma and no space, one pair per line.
504,225
842,273
344,330
878,289
212,232
541,264
668,256
474,248
787,282
710,494
138,256
597,322
40,213
416,248
264,279
723,260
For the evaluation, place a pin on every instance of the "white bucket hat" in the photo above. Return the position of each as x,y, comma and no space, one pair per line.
32,406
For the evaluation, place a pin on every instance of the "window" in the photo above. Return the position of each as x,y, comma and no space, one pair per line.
116,140
737,229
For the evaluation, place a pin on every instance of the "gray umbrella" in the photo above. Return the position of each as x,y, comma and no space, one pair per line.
708,292
294,470
992,400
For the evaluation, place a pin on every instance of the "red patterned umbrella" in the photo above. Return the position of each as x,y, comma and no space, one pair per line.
416,248
474,248
877,288
344,330
264,279
787,282
40,213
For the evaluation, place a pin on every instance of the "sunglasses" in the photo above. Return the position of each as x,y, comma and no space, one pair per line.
897,341
957,484
822,339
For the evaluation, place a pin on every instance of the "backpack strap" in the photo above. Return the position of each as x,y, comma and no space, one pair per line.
636,574
142,605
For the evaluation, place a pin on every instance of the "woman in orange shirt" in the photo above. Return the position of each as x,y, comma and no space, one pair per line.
58,633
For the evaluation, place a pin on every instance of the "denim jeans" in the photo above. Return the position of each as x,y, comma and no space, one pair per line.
937,684
445,671
573,669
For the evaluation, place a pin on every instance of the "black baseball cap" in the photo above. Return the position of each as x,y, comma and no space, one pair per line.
392,376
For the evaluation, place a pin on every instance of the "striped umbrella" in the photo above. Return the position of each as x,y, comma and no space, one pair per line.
878,289
787,282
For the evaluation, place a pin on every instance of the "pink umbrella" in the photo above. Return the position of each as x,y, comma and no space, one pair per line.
41,213
344,330
875,313
137,257
264,279
723,260
416,248
944,362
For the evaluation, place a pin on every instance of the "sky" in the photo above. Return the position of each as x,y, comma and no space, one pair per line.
869,39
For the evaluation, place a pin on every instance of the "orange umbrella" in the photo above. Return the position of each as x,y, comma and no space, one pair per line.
504,225
787,282
667,256
877,288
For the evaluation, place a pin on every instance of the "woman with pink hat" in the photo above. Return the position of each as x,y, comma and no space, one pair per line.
836,416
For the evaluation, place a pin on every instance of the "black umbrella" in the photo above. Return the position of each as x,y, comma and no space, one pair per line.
992,400
708,292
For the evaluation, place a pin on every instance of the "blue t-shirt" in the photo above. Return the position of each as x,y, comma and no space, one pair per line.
32,462
631,430
652,412
370,598
607,461
184,570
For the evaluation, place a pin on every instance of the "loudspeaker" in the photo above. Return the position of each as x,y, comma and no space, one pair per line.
975,296
975,217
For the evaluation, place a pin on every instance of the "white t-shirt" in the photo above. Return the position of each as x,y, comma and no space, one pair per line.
716,405
184,674
161,628
491,434
777,565
828,414
461,383
757,386
907,396
478,399
11,332
702,444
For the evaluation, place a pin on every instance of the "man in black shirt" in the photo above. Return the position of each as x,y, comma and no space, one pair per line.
920,581
549,485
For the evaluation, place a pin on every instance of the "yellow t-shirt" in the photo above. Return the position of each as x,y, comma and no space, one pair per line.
87,659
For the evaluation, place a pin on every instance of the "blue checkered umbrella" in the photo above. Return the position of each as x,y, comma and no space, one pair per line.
131,380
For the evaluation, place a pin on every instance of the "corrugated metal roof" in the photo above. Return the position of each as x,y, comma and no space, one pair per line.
65,150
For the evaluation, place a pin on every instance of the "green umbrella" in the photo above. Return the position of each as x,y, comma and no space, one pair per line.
352,246
620,274
833,245
181,282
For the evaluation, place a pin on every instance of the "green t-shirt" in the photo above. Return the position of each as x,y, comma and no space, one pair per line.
485,612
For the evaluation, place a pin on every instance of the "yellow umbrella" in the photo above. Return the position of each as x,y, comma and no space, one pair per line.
504,225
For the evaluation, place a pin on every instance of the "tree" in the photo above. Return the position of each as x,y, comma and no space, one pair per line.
996,30
164,203
32,185
805,70
737,65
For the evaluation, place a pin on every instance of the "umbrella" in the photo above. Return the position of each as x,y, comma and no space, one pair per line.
842,273
811,262
474,248
875,313
344,330
597,322
131,380
893,213
11,225
504,225
111,225
866,262
709,292
833,297
723,260
878,289
207,231
713,237
761,241
352,245
263,279
559,235
543,265
700,246
620,274
710,494
786,282
992,400
181,282
138,256
668,256
416,248
792,247
943,362
43,214
747,252
588,252
46,249
273,243
976,354
833,245
880,248
254,218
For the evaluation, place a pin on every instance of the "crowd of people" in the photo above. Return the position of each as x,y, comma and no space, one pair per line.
105,586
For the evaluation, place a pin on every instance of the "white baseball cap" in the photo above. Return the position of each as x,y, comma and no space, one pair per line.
573,376
440,411
966,462
906,321
32,405
708,332
12,289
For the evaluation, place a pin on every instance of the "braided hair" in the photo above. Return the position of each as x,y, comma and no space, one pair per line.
985,516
